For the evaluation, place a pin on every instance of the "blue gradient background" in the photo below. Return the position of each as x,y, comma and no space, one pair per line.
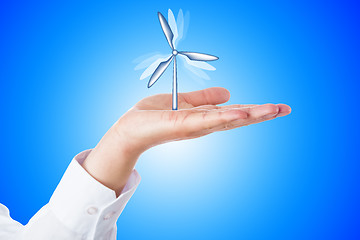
67,74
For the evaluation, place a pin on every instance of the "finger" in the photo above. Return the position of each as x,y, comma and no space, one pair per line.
261,111
267,111
202,120
205,107
283,110
238,106
205,121
257,114
208,96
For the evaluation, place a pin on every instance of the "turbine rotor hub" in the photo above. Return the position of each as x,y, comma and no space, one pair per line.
174,52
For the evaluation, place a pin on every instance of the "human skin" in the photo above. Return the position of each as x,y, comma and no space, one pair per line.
152,122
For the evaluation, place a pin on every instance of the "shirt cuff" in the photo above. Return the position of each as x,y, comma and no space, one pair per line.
85,205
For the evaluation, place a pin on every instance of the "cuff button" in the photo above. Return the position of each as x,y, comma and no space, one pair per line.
92,210
109,215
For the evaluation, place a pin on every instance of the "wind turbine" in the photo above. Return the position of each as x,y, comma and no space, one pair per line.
191,56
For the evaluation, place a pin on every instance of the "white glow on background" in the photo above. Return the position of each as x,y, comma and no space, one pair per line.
174,159
201,161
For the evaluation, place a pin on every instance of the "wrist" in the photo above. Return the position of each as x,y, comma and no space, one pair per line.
111,161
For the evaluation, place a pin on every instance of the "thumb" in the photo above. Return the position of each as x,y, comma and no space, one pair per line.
208,96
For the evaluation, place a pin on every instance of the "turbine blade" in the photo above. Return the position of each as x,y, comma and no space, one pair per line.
152,67
199,56
180,27
198,64
159,71
194,72
173,26
146,60
166,29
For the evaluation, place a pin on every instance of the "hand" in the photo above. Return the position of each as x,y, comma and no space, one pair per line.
152,122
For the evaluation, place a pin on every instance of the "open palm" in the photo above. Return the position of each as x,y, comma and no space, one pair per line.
151,121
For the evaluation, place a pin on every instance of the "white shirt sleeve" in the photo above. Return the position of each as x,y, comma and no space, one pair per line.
80,208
